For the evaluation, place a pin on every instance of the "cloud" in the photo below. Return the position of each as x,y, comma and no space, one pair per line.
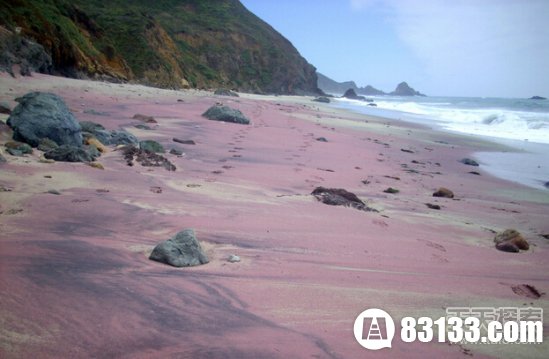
490,43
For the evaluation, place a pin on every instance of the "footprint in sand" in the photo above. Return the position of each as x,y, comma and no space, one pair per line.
434,245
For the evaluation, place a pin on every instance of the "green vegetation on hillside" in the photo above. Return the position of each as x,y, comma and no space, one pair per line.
167,43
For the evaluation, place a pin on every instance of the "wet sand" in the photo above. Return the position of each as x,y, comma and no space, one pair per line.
75,276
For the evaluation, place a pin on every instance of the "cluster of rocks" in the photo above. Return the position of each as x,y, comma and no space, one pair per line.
43,121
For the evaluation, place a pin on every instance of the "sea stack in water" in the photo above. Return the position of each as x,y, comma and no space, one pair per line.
403,89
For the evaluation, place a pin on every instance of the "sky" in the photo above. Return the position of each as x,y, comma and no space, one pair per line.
486,48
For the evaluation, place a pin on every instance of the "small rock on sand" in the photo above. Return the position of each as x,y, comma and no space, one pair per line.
340,197
322,139
391,190
444,193
226,114
433,206
511,236
233,258
507,247
144,118
184,142
182,250
469,162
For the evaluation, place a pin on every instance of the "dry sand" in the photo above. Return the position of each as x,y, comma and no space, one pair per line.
76,282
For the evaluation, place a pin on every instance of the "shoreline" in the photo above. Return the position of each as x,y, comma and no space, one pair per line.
307,269
516,161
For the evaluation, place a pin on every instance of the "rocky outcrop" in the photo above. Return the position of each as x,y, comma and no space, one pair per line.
537,98
226,114
171,44
44,115
27,54
403,89
183,250
351,95
370,91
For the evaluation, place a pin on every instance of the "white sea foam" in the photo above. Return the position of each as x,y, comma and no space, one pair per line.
473,117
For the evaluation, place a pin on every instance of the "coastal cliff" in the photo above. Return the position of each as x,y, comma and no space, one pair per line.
170,43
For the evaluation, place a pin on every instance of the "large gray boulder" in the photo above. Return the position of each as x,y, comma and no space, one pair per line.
44,115
226,114
183,250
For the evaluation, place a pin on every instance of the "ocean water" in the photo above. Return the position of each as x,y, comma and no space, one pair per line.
522,124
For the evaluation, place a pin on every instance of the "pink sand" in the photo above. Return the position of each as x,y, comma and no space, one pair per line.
76,280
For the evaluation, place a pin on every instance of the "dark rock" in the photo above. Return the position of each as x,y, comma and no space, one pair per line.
322,139
46,145
151,146
537,98
143,127
407,151
469,162
54,191
432,206
512,236
183,250
21,147
226,114
144,118
184,142
507,247
14,152
351,94
443,192
225,92
546,184
44,115
94,112
3,159
121,137
176,151
474,173
145,158
404,90
5,108
67,153
340,197
372,104
106,137
391,190
322,99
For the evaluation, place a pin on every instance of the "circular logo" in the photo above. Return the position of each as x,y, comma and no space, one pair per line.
374,329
